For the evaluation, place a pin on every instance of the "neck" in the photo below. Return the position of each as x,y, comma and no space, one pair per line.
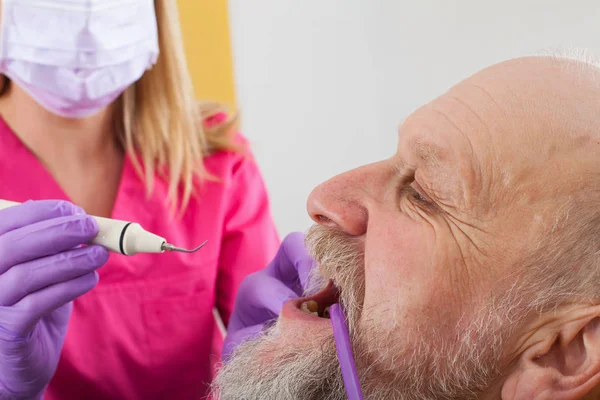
51,137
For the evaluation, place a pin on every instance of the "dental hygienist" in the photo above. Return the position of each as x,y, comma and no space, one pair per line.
98,113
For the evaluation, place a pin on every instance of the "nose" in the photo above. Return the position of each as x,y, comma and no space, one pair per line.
343,202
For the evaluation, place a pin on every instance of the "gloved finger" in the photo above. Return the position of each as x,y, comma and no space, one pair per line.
31,212
45,238
28,311
234,339
304,268
259,299
29,277
292,263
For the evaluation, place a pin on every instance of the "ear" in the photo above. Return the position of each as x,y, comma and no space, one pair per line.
566,366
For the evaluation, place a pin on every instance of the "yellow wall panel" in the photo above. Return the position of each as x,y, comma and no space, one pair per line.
205,29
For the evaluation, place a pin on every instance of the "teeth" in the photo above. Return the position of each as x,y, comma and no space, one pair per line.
310,307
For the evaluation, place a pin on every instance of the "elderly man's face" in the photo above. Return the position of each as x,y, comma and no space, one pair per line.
430,248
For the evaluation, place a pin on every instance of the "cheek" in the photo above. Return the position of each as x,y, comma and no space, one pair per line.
404,272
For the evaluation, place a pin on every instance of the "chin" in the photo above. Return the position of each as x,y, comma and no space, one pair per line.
283,365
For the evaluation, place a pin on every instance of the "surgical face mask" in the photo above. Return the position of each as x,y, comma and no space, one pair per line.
75,57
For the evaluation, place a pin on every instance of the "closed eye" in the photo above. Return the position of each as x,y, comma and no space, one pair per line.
411,193
415,194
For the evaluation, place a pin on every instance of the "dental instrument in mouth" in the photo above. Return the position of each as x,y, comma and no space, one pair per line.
124,237
344,353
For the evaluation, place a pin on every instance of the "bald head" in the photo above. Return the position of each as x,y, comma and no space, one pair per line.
543,152
543,104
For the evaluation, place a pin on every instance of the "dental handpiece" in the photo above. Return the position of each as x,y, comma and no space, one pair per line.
124,237
344,353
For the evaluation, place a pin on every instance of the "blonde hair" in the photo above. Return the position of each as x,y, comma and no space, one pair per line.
160,122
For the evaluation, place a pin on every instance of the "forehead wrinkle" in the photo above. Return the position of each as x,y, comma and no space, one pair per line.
447,119
482,123
491,98
469,169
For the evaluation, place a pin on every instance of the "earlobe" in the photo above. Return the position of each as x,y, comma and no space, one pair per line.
564,367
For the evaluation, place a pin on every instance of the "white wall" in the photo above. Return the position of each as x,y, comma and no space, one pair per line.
323,84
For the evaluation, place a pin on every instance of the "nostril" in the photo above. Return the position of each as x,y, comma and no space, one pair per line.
323,218
338,207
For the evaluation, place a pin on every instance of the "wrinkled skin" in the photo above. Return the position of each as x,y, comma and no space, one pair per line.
440,233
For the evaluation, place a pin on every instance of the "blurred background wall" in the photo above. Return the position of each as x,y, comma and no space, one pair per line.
205,29
323,85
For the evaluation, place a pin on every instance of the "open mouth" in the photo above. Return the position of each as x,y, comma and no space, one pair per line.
318,304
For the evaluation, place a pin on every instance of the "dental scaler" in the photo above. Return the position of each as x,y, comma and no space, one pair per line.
123,237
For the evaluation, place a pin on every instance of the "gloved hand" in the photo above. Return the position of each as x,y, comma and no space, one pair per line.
262,294
42,269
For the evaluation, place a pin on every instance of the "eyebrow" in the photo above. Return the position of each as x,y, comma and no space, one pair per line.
428,153
429,156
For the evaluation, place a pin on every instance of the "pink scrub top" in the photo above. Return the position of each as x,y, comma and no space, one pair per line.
147,330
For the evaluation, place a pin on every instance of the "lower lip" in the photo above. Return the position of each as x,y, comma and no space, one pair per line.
291,312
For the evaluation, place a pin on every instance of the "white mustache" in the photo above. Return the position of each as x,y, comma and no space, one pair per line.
341,259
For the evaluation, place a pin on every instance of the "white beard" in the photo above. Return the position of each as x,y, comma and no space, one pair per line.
394,362
431,368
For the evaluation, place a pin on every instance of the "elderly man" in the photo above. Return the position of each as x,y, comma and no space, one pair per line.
468,263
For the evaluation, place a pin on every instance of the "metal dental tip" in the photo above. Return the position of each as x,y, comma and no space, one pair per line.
170,247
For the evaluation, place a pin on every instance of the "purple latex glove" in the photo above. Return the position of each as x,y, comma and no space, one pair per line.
262,294
42,270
